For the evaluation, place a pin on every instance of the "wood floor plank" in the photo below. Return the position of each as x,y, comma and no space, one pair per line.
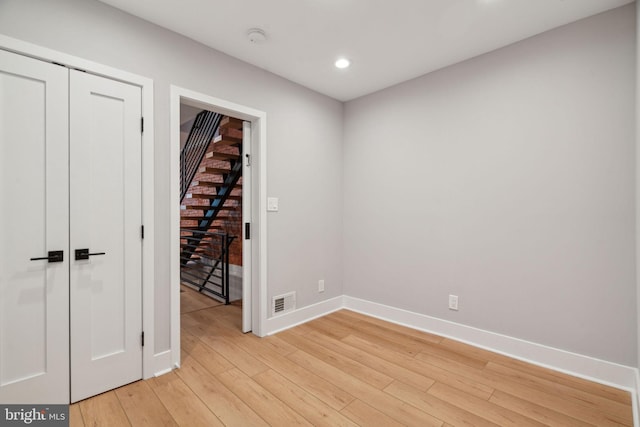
234,354
228,407
616,409
590,387
265,404
445,360
207,322
275,343
75,416
404,330
310,382
436,373
364,415
539,413
213,361
481,407
191,325
437,407
444,353
327,326
469,350
401,343
187,341
313,409
191,300
104,410
383,366
391,406
352,367
567,404
347,369
142,406
227,317
182,403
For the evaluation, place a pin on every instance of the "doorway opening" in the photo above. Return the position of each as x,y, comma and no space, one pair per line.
211,206
218,226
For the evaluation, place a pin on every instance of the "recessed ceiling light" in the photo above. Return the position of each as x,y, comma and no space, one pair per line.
342,63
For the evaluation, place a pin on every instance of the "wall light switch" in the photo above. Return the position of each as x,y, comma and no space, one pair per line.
272,204
453,302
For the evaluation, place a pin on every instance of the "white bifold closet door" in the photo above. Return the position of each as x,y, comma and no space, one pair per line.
70,181
34,220
105,220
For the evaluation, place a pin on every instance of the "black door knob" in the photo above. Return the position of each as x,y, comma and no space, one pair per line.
53,256
84,254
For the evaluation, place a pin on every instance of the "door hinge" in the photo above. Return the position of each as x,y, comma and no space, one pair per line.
247,230
141,124
142,231
142,338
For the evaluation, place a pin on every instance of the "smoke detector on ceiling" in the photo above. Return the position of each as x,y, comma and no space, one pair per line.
256,35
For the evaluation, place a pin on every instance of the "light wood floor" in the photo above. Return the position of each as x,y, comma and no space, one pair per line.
345,369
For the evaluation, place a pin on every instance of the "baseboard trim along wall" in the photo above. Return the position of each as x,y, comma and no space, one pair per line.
162,363
289,320
589,368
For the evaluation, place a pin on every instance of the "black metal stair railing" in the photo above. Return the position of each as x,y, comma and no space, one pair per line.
208,270
202,132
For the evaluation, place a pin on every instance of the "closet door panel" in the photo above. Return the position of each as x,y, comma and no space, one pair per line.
34,294
105,218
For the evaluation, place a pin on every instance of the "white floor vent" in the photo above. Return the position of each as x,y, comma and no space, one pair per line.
283,303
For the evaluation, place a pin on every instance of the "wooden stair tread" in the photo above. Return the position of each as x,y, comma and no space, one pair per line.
221,156
203,183
226,140
218,218
196,228
210,196
209,208
207,169
231,133
230,122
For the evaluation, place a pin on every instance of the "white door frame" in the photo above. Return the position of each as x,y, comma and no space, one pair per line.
148,268
258,121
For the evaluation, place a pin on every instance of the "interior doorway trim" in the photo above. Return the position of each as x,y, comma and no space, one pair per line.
148,184
258,121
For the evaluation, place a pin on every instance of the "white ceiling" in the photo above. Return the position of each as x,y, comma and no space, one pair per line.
388,41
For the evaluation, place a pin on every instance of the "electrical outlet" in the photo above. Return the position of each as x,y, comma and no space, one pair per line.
453,302
320,285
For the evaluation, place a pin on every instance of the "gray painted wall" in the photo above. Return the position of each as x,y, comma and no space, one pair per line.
304,134
512,175
508,180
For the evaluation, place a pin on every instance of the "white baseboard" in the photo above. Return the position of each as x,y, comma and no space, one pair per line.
162,363
302,315
578,365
